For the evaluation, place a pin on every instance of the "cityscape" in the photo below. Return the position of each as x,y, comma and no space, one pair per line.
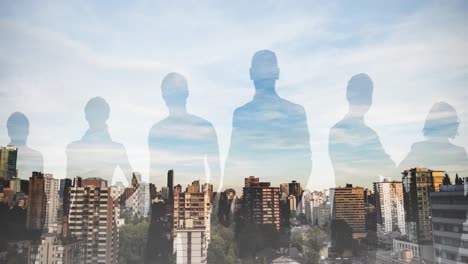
233,132
421,218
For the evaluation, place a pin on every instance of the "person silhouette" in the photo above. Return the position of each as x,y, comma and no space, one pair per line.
355,150
270,136
28,159
95,154
437,152
182,141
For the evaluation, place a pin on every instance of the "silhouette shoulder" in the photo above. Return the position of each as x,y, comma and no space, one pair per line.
200,121
293,106
73,145
36,153
240,113
158,127
118,146
338,125
423,146
244,108
281,104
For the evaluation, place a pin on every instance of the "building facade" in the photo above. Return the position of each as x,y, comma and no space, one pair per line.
93,217
50,248
8,158
37,203
418,183
191,245
450,223
51,189
261,202
348,205
389,205
192,223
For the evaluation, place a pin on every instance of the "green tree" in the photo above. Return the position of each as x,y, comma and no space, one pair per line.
311,256
222,248
315,239
133,239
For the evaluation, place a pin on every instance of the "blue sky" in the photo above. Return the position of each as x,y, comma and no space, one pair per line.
55,56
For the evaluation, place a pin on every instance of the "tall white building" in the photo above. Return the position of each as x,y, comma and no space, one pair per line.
15,185
51,189
389,205
191,245
118,189
313,205
139,200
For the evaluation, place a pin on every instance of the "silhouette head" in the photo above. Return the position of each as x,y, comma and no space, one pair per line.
359,92
97,112
264,68
174,90
441,122
18,127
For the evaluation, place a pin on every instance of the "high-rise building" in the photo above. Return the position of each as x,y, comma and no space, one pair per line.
153,191
226,206
50,248
296,190
449,223
371,216
284,191
348,206
284,213
37,204
165,192
177,189
389,206
192,223
136,198
145,197
139,201
8,157
369,196
119,190
192,205
160,243
252,180
312,203
191,246
93,215
208,187
324,213
25,186
292,203
51,189
261,202
64,183
15,184
170,184
418,183
64,191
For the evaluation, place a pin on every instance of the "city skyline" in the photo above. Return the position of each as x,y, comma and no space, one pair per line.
261,205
